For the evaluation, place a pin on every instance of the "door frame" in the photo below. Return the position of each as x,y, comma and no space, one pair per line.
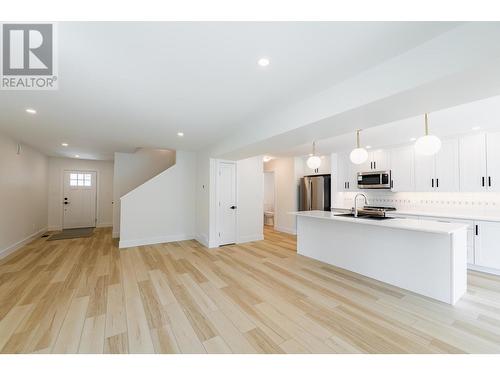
217,196
275,192
61,196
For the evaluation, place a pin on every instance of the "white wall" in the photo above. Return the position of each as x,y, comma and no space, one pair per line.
206,171
132,170
250,199
162,209
23,195
104,170
286,174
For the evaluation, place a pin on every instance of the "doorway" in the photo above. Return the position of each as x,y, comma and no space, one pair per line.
226,197
79,199
269,199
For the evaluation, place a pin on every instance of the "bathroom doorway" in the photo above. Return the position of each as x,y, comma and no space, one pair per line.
269,200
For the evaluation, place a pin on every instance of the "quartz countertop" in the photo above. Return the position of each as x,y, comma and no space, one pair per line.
405,224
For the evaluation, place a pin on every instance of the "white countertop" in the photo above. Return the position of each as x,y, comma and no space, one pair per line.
486,216
406,224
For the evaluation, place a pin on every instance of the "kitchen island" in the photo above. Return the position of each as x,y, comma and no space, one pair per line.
425,257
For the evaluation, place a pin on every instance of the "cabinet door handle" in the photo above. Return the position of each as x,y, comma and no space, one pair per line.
392,184
432,183
374,165
348,184
437,182
489,180
482,179
477,230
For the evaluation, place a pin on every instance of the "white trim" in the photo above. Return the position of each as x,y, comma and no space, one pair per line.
12,248
492,271
217,199
104,225
202,238
99,225
155,240
115,234
285,229
255,237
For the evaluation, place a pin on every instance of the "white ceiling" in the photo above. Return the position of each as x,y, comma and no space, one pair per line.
481,115
129,85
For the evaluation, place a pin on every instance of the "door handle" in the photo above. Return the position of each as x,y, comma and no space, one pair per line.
66,202
437,182
489,181
374,165
233,207
432,183
477,230
482,178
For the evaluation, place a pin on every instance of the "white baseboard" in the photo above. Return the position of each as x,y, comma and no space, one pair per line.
104,225
202,238
251,238
493,271
10,249
285,229
54,228
154,240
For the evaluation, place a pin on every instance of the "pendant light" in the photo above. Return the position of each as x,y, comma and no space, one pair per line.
359,155
313,161
428,144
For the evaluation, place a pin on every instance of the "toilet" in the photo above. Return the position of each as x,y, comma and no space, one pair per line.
268,215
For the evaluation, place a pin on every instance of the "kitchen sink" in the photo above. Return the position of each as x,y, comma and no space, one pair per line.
360,216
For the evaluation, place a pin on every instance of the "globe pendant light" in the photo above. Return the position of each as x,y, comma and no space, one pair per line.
428,144
314,161
359,154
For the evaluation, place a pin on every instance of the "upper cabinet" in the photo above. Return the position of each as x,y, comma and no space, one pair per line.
346,173
473,162
378,160
480,162
402,168
493,161
439,172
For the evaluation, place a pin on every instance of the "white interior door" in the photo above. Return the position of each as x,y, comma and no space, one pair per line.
79,199
227,203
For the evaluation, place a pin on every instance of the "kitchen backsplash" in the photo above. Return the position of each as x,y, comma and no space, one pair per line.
422,201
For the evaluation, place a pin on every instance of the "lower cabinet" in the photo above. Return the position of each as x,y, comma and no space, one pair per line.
487,244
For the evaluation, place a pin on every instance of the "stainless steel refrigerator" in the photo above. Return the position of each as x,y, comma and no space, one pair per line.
314,193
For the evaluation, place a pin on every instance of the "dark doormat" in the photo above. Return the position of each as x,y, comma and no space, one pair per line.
72,233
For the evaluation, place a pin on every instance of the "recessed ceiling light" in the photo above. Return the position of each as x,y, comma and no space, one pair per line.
77,156
266,158
64,144
368,147
263,61
180,134
476,127
413,139
31,111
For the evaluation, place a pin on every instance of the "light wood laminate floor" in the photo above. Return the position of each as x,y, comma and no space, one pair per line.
86,296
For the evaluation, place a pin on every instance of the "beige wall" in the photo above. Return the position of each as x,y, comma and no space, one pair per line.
23,194
104,170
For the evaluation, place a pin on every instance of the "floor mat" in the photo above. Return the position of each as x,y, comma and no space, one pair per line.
72,233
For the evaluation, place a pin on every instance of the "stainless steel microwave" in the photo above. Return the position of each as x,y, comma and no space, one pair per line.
374,180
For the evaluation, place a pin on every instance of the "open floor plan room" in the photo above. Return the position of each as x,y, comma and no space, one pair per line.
249,188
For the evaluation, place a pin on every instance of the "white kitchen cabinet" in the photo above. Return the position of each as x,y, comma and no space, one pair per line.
473,173
378,160
487,244
470,233
439,172
403,168
347,173
493,161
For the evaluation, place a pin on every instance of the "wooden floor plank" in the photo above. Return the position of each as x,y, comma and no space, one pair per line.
85,295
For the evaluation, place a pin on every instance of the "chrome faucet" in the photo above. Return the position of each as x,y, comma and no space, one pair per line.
356,203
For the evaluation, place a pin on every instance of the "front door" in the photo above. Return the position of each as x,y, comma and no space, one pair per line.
79,199
227,203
